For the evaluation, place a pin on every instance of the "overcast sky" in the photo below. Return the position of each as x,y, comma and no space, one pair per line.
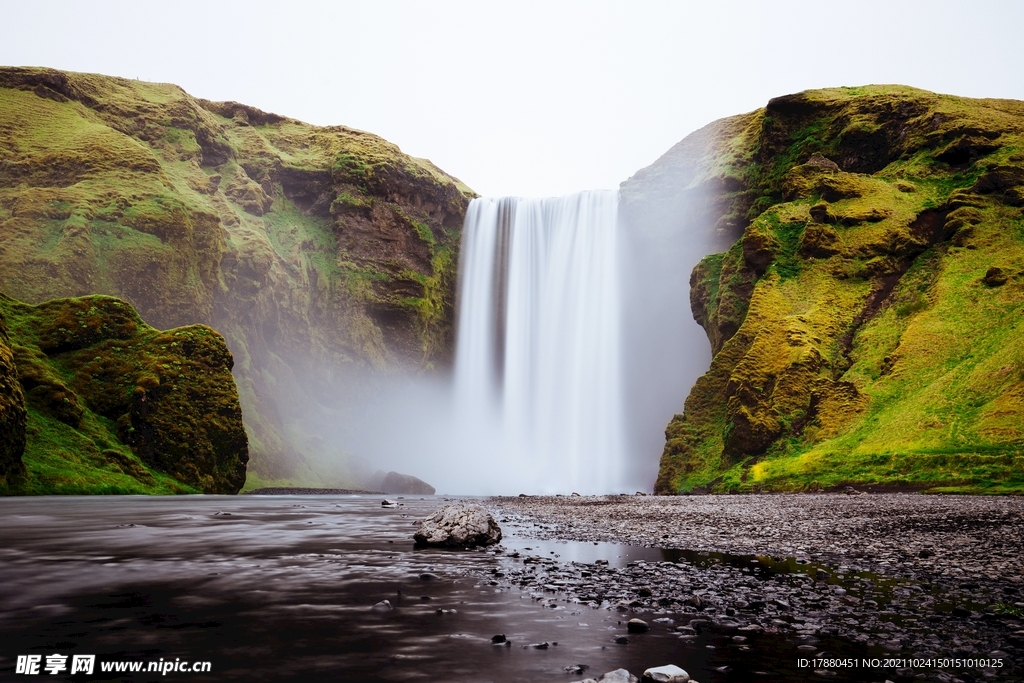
527,98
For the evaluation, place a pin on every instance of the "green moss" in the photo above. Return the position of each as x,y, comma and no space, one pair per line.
871,349
115,406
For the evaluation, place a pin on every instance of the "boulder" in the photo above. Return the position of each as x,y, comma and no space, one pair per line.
459,525
670,673
394,482
618,676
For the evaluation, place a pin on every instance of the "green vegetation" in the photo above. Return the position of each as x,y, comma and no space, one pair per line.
882,278
115,406
316,251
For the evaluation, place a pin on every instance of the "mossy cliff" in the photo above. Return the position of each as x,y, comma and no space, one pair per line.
113,405
319,253
865,321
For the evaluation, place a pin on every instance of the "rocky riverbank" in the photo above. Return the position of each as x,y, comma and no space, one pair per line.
902,576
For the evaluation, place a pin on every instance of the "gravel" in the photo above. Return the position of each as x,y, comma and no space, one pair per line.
906,574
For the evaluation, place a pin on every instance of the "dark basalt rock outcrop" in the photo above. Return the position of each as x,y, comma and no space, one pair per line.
863,319
113,396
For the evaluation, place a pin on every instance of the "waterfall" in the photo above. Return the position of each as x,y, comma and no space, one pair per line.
537,366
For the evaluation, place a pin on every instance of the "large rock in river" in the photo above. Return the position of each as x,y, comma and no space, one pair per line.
459,525
395,482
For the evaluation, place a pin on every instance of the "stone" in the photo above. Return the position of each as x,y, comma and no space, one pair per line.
618,676
995,277
823,162
637,626
388,503
459,525
383,606
670,673
395,482
821,214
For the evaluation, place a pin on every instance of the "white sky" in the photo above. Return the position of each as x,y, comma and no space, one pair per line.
527,98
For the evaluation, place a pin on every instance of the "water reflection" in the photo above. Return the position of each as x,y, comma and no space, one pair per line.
284,588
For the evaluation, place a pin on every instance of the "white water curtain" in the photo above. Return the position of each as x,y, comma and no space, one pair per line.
538,369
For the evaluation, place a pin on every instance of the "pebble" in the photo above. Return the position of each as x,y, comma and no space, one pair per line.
867,578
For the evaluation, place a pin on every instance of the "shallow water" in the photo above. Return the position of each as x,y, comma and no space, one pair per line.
283,588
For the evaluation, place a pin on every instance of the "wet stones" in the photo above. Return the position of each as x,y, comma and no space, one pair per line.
861,568
670,673
459,525
637,626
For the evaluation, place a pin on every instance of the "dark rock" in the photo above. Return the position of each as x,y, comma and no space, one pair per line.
388,503
459,525
622,640
404,483
999,179
637,626
995,277
500,638
821,214
759,247
13,415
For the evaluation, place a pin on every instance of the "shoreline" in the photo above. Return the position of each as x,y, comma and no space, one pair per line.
899,574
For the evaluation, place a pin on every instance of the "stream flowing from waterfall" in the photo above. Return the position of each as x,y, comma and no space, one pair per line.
538,382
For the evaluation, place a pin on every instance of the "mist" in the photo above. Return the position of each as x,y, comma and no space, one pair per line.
412,422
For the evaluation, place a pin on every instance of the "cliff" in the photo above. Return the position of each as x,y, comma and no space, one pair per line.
100,402
864,321
325,256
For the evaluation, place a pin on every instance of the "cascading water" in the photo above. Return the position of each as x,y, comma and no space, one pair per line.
538,367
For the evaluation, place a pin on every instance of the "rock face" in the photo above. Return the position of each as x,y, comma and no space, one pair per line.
394,482
459,525
117,406
325,256
12,412
863,319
